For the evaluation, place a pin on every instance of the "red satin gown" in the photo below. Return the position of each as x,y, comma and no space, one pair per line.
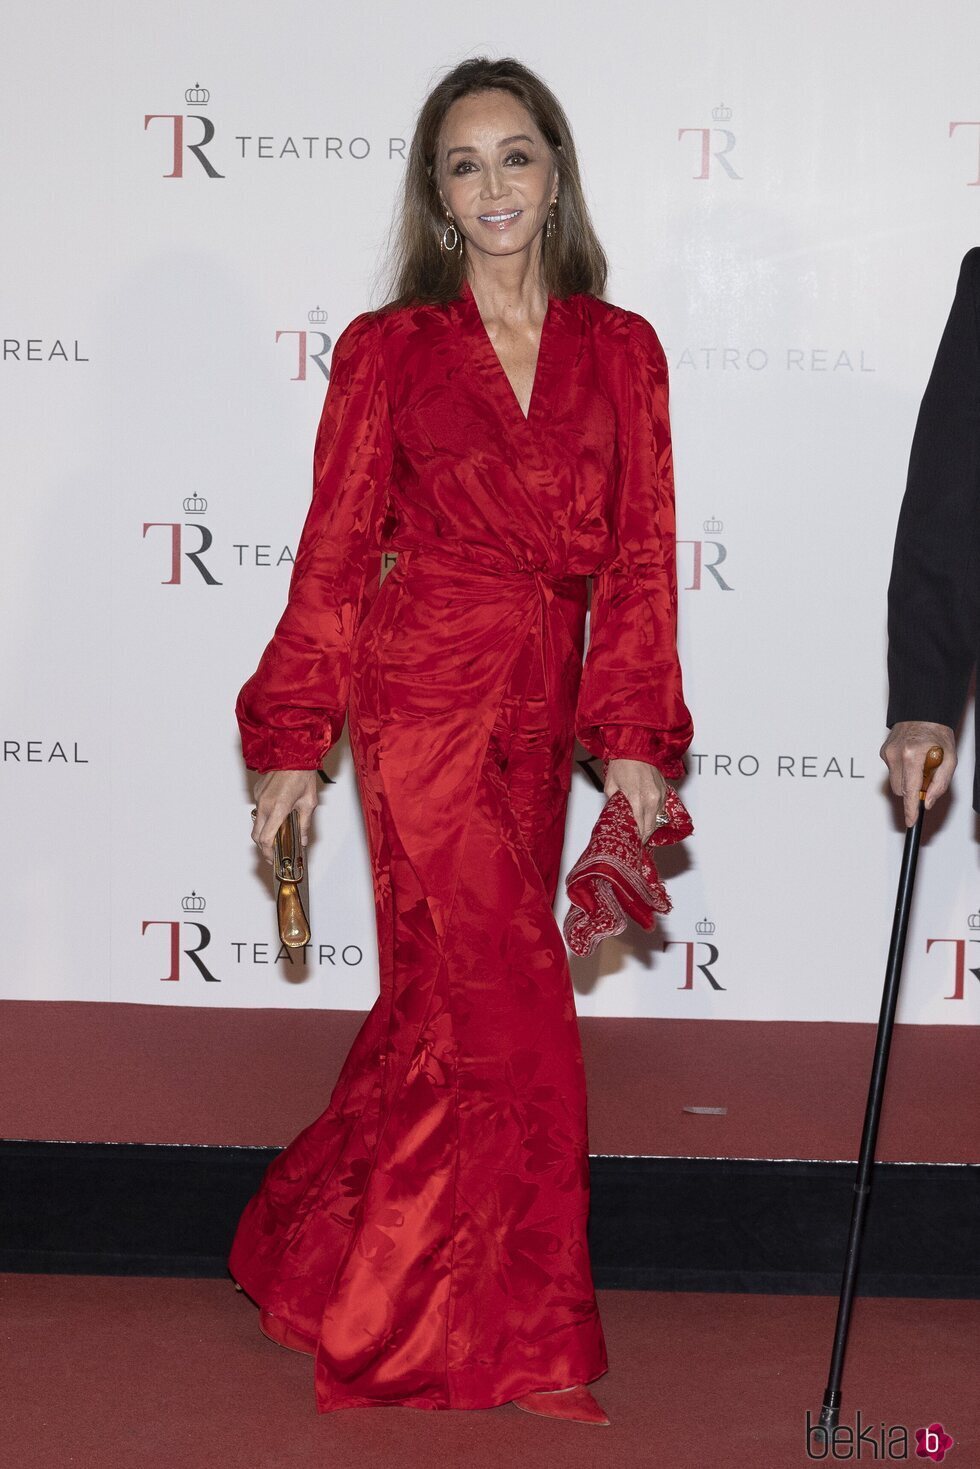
425,1238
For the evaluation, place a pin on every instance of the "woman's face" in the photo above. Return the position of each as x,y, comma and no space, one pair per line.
494,172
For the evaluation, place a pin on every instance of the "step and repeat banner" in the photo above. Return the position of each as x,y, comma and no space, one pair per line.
198,200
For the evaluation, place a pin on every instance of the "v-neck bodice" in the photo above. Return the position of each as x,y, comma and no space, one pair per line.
422,450
491,358
470,470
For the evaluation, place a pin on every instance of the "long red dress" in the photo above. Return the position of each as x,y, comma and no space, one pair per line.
425,1237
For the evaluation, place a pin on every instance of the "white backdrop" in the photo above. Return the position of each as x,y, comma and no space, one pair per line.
785,192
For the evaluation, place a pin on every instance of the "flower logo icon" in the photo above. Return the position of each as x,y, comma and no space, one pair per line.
932,1443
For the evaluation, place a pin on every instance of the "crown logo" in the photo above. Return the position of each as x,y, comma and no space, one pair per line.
193,903
713,527
195,505
721,113
197,96
317,316
705,927
974,920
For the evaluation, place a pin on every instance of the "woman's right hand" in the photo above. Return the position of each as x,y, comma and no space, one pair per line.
276,793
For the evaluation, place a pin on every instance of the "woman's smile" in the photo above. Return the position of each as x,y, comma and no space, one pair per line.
501,221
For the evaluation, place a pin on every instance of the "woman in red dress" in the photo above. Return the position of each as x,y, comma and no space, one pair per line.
505,431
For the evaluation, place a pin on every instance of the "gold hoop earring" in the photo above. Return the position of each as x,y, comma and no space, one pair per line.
457,238
550,225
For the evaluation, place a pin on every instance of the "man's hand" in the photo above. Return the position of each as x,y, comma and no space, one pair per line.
904,752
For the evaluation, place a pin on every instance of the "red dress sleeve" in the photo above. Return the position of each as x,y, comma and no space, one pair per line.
292,709
631,701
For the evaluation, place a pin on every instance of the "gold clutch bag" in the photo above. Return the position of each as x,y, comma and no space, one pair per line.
290,870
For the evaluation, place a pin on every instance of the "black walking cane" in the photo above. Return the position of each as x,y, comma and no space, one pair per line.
830,1412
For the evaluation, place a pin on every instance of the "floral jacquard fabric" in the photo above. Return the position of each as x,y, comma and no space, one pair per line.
426,1236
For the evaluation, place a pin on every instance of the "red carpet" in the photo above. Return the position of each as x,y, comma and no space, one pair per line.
146,1073
174,1374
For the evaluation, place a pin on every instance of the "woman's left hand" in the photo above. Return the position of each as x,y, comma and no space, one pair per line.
643,786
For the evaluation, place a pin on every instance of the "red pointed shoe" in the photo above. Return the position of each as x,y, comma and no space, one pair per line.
575,1404
283,1335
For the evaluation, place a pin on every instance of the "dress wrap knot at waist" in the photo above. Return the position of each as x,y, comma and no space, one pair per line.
550,586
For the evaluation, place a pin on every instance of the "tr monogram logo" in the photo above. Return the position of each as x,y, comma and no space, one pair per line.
258,554
195,96
959,956
706,556
705,928
193,505
709,139
304,337
193,903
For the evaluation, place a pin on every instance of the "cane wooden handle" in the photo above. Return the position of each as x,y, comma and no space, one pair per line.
934,758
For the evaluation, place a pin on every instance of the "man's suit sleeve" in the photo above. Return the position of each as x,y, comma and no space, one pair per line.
934,591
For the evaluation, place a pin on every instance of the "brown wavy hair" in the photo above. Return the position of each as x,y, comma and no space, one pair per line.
419,270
